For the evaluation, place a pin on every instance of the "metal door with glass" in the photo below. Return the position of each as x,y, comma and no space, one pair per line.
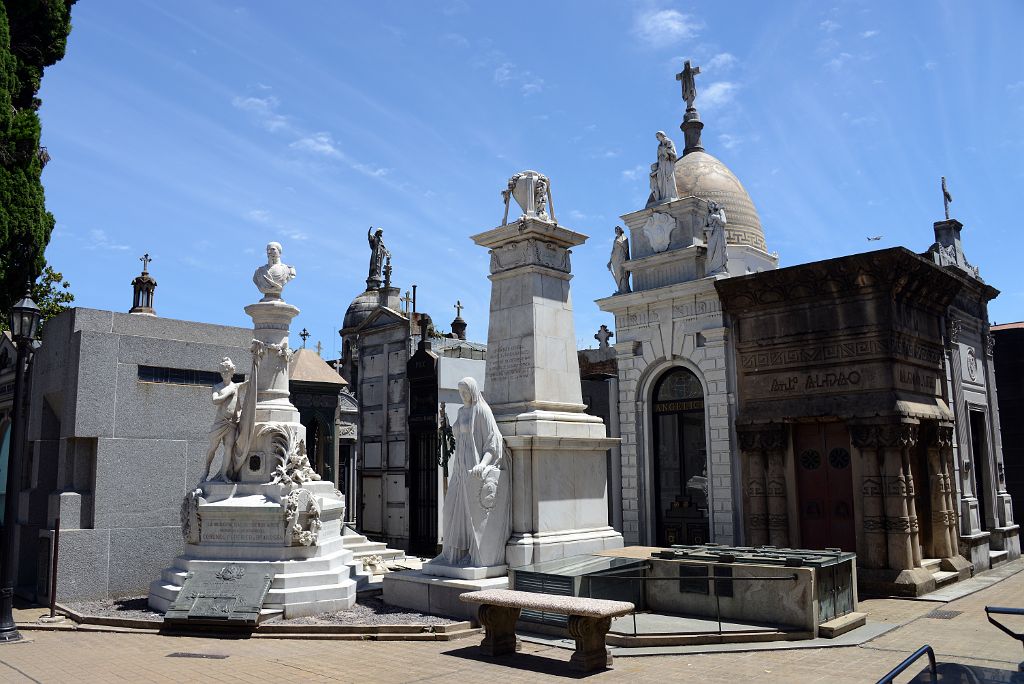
680,460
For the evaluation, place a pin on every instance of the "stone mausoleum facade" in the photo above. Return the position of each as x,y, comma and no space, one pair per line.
847,404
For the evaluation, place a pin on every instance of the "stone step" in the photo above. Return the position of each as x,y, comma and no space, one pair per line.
323,563
931,564
942,578
997,558
300,595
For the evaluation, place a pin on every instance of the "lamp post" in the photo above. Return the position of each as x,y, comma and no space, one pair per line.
24,321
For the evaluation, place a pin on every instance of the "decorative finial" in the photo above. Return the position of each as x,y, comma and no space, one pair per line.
319,348
692,124
305,336
406,301
602,336
532,192
946,197
387,273
458,308
459,325
145,259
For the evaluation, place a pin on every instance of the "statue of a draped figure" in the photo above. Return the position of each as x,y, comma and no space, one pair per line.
477,506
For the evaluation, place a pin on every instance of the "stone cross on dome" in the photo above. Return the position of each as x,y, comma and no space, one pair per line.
145,258
458,308
685,77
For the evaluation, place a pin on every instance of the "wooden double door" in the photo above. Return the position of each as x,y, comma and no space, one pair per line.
824,478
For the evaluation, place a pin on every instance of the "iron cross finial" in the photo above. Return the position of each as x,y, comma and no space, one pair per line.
145,259
305,336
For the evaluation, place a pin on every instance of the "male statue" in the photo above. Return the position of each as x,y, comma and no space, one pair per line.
378,254
271,278
227,401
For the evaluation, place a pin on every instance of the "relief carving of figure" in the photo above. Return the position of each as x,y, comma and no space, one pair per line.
663,172
477,505
271,278
225,430
714,234
617,262
378,253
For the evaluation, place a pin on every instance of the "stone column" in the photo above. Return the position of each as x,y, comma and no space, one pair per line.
941,544
270,328
774,442
896,439
753,446
915,533
867,440
944,442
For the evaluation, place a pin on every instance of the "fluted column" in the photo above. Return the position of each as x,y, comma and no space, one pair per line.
867,440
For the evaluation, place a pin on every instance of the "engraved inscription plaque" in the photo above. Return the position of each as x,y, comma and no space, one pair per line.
226,594
244,531
510,360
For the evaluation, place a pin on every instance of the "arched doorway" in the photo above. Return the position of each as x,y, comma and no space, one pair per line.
680,460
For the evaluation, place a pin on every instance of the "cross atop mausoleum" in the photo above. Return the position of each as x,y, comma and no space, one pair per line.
685,77
305,336
145,258
458,308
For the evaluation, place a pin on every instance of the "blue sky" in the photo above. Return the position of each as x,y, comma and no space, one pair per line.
198,130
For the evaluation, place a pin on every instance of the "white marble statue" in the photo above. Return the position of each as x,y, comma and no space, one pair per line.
227,401
663,172
271,278
715,236
617,262
477,506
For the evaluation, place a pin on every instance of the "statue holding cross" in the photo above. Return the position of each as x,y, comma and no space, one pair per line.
685,77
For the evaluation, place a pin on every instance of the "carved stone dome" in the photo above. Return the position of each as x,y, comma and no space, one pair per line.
698,174
363,305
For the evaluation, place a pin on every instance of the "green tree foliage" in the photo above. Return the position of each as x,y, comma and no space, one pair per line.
50,292
33,36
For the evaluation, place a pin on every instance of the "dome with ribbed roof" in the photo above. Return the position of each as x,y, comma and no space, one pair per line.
363,305
698,174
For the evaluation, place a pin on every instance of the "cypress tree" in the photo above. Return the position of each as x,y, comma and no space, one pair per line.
33,36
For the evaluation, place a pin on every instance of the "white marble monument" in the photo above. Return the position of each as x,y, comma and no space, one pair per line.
266,511
556,452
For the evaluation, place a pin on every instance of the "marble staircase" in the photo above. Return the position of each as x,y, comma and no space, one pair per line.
361,548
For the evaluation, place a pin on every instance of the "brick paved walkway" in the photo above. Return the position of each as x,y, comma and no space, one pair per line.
79,656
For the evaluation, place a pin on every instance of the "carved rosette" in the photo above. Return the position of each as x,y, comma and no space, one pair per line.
530,252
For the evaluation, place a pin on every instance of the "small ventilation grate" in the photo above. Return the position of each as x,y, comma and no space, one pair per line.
943,614
209,656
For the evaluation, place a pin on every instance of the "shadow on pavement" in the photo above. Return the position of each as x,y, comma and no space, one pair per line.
524,661
954,673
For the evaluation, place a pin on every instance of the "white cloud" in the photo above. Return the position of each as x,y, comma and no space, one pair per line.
730,141
98,239
532,87
930,65
1014,87
869,34
633,173
839,61
456,39
503,74
317,143
829,26
263,109
660,28
720,62
717,94
259,216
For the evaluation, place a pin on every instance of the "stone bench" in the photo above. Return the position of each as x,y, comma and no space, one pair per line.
589,621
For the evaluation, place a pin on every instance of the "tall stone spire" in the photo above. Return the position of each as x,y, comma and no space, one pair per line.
692,124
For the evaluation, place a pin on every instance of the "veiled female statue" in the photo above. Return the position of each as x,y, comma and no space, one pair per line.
663,178
477,507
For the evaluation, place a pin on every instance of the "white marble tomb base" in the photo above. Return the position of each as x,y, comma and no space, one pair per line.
416,590
245,525
440,569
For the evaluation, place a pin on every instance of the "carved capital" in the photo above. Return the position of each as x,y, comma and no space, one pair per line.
877,436
530,252
762,438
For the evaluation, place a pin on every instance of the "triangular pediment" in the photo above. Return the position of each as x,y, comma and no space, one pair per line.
381,317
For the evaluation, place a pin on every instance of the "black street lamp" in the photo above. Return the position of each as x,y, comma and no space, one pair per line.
24,322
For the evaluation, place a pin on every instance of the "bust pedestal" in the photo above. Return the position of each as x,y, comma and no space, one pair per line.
556,451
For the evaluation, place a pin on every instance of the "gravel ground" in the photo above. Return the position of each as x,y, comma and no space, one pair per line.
369,610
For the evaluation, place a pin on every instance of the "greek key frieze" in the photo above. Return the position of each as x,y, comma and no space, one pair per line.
697,308
896,345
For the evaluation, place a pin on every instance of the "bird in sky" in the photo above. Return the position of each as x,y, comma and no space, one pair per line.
872,239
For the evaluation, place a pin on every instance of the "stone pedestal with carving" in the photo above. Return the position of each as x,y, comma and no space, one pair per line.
557,453
275,517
